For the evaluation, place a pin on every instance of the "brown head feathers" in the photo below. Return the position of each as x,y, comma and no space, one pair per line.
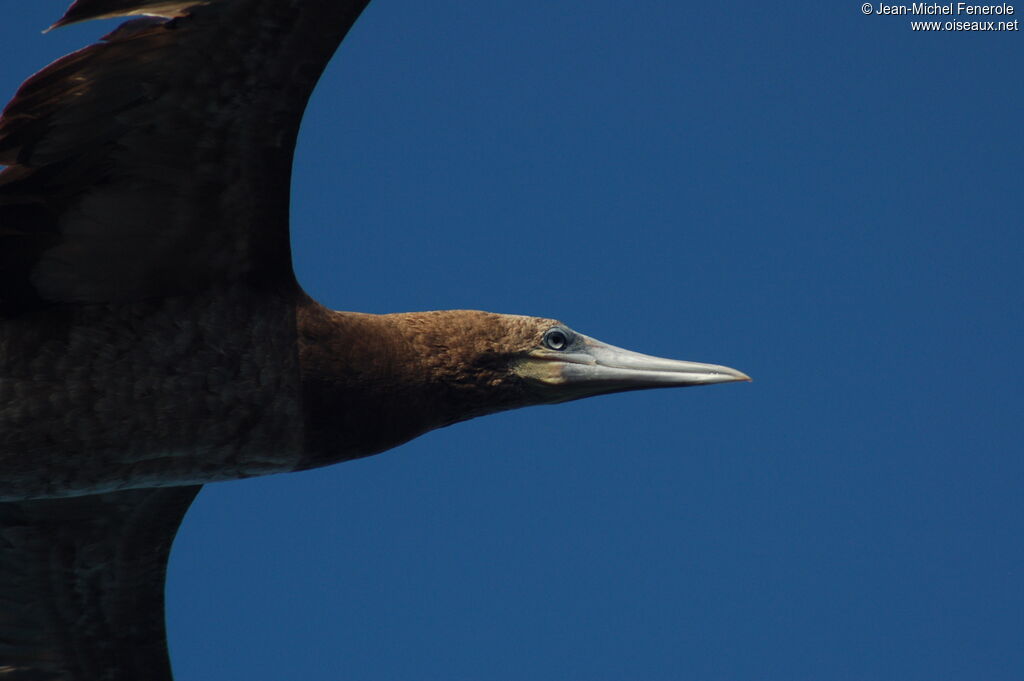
371,382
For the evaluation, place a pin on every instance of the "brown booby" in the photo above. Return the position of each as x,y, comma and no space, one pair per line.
153,337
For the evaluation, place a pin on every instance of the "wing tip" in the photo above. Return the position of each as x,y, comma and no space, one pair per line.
87,10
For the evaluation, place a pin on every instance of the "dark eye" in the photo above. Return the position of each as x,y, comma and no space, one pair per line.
556,339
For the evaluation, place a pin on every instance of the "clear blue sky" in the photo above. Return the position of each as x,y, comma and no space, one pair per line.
823,199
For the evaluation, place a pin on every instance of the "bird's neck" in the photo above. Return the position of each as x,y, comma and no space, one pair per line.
372,382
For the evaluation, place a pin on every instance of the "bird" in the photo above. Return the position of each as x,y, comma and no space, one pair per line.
153,335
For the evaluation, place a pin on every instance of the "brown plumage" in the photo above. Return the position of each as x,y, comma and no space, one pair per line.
362,395
153,337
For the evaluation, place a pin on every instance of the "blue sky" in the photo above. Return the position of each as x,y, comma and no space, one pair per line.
823,199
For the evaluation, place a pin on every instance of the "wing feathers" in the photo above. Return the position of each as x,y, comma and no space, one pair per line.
82,583
157,162
84,10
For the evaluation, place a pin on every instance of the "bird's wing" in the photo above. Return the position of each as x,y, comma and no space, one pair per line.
157,162
82,585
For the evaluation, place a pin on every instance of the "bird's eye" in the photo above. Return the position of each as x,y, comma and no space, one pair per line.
556,339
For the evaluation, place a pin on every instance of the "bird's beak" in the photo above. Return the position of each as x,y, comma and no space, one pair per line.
591,367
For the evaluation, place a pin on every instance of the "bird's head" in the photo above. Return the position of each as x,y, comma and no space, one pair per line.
535,360
374,381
